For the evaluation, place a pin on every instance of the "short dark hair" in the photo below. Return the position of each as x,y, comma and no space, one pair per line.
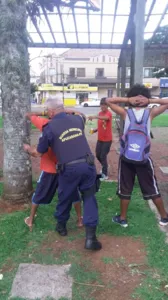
139,89
103,101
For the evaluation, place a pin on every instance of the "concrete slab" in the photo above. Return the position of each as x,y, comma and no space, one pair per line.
163,186
162,228
164,170
34,281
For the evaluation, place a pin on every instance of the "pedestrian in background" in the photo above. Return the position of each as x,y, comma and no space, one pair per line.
104,129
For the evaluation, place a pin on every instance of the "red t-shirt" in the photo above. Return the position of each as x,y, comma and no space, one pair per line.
48,159
105,127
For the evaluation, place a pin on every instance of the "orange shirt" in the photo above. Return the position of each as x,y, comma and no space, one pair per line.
105,127
48,159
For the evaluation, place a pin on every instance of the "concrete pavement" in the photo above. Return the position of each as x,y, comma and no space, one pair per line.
34,281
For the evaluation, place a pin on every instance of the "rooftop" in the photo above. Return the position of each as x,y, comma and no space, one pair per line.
81,27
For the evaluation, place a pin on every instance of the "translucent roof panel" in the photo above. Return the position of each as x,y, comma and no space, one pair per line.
84,27
123,7
120,24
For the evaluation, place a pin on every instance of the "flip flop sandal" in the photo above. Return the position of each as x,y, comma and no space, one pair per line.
30,226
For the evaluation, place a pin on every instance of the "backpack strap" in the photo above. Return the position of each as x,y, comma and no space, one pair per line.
131,115
133,118
146,115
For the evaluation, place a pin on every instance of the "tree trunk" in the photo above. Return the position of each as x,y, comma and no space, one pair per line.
15,85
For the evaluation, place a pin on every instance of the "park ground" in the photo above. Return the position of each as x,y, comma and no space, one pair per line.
133,262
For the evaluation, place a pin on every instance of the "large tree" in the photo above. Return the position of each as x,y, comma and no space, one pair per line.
160,72
15,83
160,37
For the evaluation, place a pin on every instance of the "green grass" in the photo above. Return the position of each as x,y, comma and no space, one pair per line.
90,124
160,121
18,245
1,122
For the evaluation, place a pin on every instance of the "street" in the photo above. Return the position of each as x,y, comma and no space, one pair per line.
84,110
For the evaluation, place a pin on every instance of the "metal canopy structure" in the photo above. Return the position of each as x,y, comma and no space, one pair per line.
81,27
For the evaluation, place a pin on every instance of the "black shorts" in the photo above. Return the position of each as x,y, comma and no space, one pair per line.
146,177
46,188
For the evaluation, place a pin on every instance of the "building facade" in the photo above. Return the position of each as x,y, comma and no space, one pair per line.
90,68
85,69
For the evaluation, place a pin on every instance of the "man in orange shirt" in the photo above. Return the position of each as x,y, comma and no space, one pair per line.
104,136
48,180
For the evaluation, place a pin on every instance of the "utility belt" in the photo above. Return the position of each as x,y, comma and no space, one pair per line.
89,159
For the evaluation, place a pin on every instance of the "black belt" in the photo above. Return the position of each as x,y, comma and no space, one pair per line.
77,161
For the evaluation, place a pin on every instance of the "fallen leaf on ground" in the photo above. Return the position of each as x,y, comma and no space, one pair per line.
110,199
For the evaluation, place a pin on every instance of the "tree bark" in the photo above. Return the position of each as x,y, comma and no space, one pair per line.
15,85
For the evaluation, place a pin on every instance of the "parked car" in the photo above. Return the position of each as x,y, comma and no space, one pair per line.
154,104
92,102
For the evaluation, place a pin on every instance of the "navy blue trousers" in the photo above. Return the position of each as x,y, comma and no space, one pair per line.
78,176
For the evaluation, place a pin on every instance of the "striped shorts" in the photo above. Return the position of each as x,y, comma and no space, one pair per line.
146,178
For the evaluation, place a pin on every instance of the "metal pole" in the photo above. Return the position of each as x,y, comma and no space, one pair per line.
139,41
63,83
56,70
118,80
132,63
123,82
123,73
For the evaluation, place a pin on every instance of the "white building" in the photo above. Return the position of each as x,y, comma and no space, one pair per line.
94,67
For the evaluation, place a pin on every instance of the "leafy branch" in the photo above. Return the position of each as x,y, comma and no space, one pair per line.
33,6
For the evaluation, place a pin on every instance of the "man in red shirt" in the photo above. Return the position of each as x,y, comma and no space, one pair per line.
48,180
104,136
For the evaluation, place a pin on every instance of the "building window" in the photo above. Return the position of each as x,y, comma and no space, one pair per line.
72,72
115,59
103,58
80,72
110,93
128,72
100,72
52,72
148,72
51,62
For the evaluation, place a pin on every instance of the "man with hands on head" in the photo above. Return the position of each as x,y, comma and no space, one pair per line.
135,150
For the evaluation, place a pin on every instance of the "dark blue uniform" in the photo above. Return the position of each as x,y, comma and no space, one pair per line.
65,135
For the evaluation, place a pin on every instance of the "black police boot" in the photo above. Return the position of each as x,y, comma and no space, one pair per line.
91,242
61,229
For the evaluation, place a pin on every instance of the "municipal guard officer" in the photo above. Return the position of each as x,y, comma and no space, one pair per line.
65,135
